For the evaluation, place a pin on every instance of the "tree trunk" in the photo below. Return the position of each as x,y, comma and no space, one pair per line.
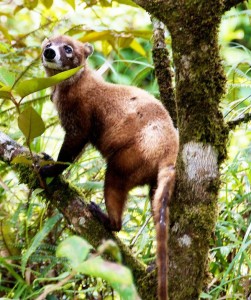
200,83
193,25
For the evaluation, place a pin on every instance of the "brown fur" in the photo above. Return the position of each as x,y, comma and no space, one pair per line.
131,129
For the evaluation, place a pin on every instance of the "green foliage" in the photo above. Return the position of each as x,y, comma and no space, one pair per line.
29,234
39,237
119,277
31,124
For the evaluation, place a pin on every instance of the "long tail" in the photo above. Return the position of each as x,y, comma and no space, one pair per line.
161,201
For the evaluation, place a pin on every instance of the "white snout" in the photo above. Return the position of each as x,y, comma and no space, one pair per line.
56,62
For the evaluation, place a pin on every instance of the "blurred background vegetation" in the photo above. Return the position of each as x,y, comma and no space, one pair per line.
121,33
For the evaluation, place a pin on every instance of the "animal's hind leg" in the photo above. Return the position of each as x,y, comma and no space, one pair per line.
115,198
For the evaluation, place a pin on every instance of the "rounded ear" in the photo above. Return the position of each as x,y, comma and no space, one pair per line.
45,41
88,49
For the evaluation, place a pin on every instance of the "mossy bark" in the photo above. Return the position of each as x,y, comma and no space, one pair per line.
70,202
200,83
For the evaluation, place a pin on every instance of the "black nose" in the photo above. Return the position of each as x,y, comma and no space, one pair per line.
49,53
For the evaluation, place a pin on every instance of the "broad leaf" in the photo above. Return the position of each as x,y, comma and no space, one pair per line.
30,4
31,124
22,160
136,46
30,86
119,277
5,94
75,249
6,77
47,3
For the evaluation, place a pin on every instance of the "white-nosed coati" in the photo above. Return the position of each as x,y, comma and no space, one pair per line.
130,128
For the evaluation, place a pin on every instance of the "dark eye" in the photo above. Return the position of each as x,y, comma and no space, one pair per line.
68,49
48,45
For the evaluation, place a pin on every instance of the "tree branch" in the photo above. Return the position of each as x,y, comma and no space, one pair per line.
163,70
70,202
244,119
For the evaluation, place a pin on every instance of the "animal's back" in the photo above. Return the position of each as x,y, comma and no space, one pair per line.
131,129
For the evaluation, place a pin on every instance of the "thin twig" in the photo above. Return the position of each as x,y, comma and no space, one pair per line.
244,119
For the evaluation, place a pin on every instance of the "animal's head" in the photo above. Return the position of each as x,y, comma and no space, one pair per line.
62,53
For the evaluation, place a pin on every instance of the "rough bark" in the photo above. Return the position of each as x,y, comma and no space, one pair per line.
193,25
67,199
200,82
162,67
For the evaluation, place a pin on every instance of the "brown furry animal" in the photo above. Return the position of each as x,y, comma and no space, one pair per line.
131,129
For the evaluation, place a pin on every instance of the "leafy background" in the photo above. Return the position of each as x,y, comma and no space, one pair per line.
30,230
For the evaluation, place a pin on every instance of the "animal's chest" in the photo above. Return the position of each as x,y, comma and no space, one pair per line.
71,115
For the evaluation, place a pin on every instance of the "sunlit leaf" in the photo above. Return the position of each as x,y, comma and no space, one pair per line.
136,46
75,249
5,32
47,3
31,124
22,160
30,4
5,92
124,42
6,77
30,86
4,47
96,36
106,48
105,3
127,2
8,237
17,9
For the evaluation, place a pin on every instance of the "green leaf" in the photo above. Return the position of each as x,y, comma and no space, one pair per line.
30,4
31,124
127,2
111,248
75,249
4,48
6,77
5,94
47,3
93,36
205,296
72,3
8,236
136,46
48,225
22,160
141,75
119,277
30,86
105,3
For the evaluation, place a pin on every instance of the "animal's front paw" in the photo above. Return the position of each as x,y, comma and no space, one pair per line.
98,214
51,170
